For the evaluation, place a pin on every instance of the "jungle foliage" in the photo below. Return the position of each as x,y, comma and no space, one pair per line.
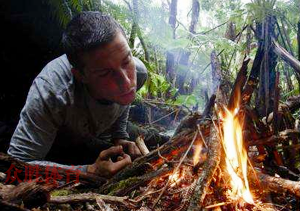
176,44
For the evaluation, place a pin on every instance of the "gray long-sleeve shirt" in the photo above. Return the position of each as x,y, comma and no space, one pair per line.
59,106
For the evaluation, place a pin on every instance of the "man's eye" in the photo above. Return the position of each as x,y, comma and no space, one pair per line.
102,73
126,62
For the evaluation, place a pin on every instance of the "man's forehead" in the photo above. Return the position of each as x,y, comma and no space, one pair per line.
117,45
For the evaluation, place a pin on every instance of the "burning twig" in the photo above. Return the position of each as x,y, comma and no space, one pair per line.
202,138
176,169
219,204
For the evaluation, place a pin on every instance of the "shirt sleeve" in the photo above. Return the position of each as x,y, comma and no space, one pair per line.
119,128
39,120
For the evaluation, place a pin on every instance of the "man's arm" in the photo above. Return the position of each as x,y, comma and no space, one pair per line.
40,118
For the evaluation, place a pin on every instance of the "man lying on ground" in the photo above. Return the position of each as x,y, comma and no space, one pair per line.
80,101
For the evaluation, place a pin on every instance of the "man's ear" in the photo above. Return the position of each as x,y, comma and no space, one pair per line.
78,75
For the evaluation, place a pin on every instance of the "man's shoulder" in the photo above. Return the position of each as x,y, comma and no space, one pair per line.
57,70
56,79
57,73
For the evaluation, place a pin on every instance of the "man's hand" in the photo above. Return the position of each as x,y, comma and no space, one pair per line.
105,167
129,147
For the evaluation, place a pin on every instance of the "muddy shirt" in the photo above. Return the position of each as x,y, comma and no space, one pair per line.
60,112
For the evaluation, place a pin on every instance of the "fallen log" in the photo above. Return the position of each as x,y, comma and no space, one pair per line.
278,184
6,206
31,194
276,139
91,197
206,175
292,104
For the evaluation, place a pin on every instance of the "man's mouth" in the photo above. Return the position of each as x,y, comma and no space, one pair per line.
128,93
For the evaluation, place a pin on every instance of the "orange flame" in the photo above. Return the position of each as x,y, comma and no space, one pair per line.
175,178
236,155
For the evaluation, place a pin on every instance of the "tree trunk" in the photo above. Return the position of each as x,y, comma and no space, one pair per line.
173,16
146,52
134,26
216,71
265,98
135,29
298,39
182,71
195,16
170,67
288,77
185,55
170,62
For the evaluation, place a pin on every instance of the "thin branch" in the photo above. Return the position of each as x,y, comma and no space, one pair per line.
210,63
128,4
175,170
206,32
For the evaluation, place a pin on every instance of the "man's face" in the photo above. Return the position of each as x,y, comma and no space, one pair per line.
110,73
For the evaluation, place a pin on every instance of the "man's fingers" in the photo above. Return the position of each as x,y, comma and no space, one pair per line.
119,158
131,148
117,166
134,150
106,154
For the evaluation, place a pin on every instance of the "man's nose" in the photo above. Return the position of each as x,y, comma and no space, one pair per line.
124,81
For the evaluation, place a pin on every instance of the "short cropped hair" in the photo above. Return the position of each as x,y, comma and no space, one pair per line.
87,31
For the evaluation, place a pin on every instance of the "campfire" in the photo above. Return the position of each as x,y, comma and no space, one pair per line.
236,157
233,168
